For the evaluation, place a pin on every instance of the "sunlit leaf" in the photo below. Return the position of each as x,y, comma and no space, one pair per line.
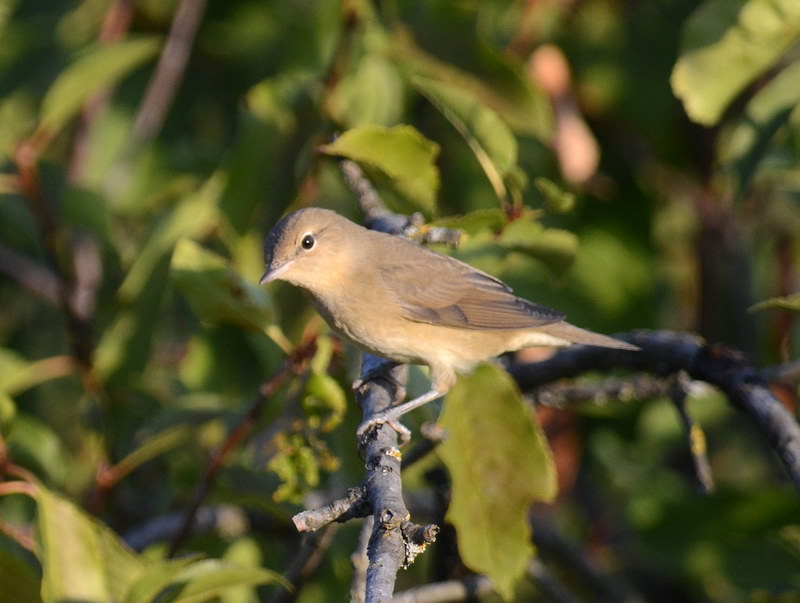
204,580
404,155
82,560
98,69
494,483
727,44
216,293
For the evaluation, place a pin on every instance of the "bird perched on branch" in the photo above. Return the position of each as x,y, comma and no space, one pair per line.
398,300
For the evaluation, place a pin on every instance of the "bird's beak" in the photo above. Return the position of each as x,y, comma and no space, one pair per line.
274,273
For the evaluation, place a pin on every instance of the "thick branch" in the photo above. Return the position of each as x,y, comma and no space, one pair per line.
665,352
386,549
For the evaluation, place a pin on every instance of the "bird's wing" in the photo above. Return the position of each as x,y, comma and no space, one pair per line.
455,294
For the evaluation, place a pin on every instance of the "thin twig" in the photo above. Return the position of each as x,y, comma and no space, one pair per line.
169,71
352,506
36,278
694,433
58,253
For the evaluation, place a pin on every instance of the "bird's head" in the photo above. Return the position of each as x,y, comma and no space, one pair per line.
306,248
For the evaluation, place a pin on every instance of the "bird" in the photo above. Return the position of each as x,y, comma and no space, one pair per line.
406,303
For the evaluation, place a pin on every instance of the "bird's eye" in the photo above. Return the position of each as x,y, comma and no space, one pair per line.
308,242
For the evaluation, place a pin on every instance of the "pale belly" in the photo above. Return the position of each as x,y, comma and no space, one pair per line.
390,335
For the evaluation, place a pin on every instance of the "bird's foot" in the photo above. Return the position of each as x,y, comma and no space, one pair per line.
383,418
382,370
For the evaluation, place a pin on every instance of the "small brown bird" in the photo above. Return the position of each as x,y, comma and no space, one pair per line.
396,299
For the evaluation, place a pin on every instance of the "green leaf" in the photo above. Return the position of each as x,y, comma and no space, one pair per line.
790,302
216,293
18,374
97,70
82,560
210,578
158,576
556,199
255,158
36,445
325,402
194,215
480,220
154,446
19,579
495,482
371,94
401,153
727,45
767,111
124,348
18,116
499,82
556,248
489,138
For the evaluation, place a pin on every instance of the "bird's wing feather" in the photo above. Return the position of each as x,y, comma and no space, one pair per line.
458,295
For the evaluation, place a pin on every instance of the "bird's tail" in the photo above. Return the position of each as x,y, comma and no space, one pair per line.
573,334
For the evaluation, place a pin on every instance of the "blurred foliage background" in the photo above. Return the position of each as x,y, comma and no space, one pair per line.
634,164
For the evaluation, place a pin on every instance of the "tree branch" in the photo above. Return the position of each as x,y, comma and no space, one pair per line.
390,546
665,353
342,509
169,71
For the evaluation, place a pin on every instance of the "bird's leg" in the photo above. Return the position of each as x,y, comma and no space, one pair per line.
391,415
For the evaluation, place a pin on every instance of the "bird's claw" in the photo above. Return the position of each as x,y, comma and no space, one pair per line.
382,418
382,370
